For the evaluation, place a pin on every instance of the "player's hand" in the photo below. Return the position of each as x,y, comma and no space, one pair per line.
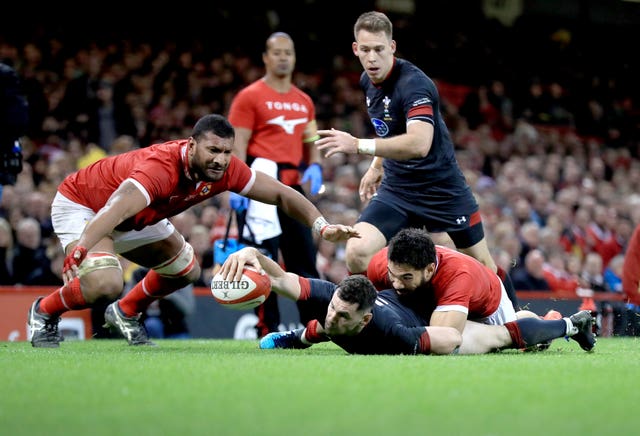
313,174
369,183
233,267
335,141
237,202
338,233
71,263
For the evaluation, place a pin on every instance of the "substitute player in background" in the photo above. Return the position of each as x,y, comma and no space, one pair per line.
423,185
361,320
275,120
121,204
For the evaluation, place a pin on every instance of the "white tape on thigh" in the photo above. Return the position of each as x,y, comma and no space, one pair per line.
179,265
98,260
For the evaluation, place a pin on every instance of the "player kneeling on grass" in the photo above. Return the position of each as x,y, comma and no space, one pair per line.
363,321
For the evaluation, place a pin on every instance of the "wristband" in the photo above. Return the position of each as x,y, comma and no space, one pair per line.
319,225
367,146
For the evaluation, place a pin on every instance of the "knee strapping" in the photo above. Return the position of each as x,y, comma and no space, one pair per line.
179,265
98,260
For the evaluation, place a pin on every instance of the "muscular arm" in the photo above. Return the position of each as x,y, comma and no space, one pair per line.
311,131
241,142
124,203
268,190
416,143
449,318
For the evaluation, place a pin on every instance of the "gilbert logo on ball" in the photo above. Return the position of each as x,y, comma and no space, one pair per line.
250,291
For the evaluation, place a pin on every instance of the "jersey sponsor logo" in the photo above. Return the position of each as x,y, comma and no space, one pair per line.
380,127
422,101
286,106
287,125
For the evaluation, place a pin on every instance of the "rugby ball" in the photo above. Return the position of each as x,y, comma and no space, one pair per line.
248,292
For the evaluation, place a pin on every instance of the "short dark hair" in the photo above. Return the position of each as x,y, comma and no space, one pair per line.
373,22
276,35
413,247
357,289
215,123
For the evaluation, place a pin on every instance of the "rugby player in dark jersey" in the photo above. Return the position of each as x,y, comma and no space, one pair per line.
363,321
414,179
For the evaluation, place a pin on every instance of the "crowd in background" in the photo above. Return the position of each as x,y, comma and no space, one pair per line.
553,159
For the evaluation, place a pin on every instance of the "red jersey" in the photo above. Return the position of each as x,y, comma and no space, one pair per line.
631,268
161,171
460,282
277,121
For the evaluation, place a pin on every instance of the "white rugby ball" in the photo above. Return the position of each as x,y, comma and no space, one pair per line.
248,292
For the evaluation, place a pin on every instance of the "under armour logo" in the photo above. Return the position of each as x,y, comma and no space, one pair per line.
287,125
461,220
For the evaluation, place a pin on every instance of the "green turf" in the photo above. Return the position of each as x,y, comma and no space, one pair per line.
226,387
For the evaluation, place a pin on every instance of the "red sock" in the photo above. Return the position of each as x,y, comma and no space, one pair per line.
516,336
424,343
151,288
68,297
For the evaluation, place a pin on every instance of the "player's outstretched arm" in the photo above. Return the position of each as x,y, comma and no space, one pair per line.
266,189
282,282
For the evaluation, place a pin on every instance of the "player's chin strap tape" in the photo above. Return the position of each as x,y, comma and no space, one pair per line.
98,260
179,265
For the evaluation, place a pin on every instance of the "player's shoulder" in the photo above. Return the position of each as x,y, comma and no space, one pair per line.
320,289
301,93
411,74
253,88
171,148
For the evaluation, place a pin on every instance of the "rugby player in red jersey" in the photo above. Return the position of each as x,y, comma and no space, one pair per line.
121,205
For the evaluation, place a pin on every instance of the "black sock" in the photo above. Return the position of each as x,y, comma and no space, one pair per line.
535,331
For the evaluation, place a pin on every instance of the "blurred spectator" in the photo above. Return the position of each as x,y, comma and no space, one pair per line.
616,322
29,254
203,251
529,239
50,274
6,253
530,276
14,119
556,274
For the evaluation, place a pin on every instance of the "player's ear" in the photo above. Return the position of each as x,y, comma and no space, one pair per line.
366,319
393,46
354,47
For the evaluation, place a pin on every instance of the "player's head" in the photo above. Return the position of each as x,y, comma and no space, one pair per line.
374,44
210,147
412,259
279,55
350,307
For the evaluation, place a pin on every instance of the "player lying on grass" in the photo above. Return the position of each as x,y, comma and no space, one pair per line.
363,321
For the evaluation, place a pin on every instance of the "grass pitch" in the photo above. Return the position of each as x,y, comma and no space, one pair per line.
227,387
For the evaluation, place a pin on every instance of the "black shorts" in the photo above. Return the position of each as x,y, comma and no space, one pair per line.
460,220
